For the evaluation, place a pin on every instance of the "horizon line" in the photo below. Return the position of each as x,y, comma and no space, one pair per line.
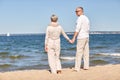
91,32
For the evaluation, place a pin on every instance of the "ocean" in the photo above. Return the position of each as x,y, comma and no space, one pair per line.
26,52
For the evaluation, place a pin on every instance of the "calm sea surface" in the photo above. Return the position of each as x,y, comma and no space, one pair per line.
24,52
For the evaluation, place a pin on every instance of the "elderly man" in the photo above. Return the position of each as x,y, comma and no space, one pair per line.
82,34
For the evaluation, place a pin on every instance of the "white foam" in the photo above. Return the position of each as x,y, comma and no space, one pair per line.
110,54
67,58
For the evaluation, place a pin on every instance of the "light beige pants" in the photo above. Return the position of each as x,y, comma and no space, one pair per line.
53,55
82,52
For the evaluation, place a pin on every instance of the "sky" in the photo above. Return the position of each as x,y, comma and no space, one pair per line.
33,16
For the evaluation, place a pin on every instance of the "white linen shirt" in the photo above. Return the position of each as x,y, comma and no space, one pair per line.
82,27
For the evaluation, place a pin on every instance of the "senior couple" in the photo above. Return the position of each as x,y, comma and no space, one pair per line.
52,42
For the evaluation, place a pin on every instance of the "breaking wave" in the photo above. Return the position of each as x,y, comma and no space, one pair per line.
67,58
110,54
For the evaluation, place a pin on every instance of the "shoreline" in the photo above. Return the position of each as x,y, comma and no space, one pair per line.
105,72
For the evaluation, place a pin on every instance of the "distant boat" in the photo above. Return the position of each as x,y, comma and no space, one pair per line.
8,34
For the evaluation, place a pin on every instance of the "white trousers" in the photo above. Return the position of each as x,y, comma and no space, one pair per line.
53,55
82,52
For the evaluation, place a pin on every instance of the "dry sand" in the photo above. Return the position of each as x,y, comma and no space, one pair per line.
107,72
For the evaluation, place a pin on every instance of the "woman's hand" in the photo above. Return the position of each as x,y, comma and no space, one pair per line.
46,49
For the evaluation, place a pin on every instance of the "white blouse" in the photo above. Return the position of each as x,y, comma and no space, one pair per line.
54,32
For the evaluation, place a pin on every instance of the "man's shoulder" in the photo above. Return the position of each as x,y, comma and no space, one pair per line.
83,16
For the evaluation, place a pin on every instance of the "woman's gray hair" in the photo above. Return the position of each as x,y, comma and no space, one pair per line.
54,18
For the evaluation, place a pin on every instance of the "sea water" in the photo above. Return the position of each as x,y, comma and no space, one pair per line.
24,52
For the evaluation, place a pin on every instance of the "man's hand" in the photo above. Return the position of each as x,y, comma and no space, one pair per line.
73,40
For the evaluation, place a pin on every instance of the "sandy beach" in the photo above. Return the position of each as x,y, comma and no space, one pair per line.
106,72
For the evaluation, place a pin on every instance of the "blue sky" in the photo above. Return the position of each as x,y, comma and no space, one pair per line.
33,16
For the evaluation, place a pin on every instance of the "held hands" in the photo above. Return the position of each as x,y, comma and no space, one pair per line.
46,49
72,41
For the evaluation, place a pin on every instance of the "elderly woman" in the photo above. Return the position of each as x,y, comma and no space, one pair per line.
52,44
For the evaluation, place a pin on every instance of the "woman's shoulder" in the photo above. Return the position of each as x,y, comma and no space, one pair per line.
54,27
59,26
